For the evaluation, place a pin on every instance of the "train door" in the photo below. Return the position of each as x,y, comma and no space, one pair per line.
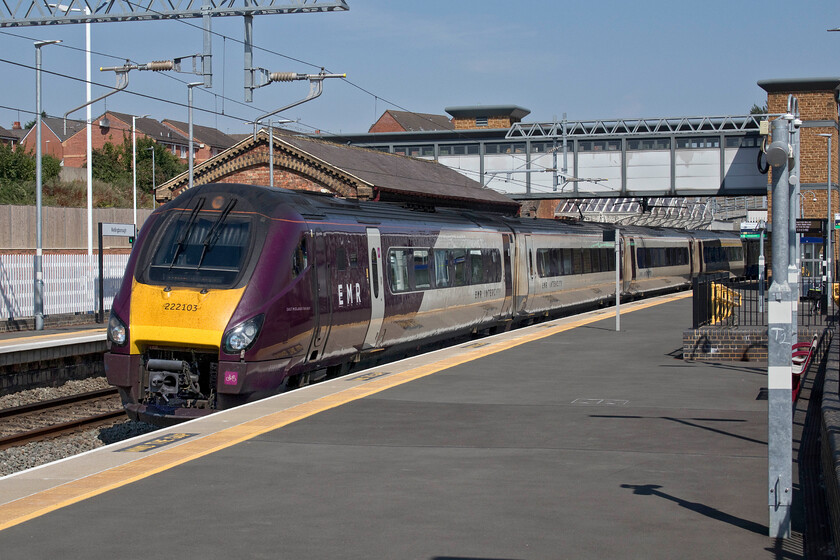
507,263
323,297
377,288
632,250
692,270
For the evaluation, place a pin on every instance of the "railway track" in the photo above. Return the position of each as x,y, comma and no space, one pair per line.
56,417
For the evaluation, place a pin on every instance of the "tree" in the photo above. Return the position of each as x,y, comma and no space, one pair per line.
112,163
756,110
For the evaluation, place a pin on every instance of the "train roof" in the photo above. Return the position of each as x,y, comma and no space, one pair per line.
326,207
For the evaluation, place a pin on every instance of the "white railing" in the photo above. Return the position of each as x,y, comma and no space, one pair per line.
70,283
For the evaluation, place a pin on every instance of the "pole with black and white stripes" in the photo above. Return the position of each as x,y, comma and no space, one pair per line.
780,338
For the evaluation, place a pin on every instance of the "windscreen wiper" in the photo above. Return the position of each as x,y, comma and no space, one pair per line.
215,231
179,246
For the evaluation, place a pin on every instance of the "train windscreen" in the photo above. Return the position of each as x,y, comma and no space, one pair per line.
201,249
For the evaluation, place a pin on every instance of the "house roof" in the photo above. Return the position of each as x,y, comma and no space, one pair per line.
151,128
7,134
204,134
371,173
416,122
57,126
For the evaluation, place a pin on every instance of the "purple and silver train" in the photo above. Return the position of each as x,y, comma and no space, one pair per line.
236,292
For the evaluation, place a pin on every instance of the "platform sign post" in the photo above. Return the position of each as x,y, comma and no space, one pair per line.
779,340
114,230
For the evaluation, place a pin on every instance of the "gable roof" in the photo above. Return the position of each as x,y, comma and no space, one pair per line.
204,134
57,126
354,172
151,128
416,122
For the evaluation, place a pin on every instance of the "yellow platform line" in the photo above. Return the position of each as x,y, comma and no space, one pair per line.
33,506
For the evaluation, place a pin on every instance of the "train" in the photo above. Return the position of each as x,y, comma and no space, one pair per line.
236,292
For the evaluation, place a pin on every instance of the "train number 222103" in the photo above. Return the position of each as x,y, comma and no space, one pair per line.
180,307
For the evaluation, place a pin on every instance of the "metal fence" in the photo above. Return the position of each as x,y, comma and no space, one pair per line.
70,283
726,302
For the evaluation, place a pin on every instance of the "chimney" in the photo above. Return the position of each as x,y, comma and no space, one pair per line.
16,125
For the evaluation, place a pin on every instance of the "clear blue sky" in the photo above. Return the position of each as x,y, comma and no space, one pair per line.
591,60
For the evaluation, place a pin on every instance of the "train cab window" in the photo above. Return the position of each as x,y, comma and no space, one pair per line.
442,257
476,267
398,264
300,258
422,280
340,258
459,262
374,272
354,259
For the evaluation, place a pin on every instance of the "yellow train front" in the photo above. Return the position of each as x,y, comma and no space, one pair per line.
185,325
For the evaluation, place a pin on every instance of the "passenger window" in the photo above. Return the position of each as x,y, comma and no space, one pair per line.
442,268
459,258
374,271
398,261
476,267
421,269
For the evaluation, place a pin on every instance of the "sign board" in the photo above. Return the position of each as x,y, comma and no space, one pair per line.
118,230
810,226
750,230
836,221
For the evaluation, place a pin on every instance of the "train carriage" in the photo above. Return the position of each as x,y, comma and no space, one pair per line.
236,292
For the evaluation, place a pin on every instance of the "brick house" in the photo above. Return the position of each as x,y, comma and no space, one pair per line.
114,128
11,137
304,163
54,133
404,121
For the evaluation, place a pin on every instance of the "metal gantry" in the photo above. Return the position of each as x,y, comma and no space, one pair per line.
43,12
600,127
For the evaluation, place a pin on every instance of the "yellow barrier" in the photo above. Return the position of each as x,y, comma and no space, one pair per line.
835,293
724,302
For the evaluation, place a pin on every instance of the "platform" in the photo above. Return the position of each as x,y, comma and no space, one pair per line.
562,440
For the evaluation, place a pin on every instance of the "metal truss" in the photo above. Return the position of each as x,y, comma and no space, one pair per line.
22,13
635,127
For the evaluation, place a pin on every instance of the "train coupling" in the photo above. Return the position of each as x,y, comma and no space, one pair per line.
167,378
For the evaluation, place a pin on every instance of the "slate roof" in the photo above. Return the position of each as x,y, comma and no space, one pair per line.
152,128
203,134
416,122
373,174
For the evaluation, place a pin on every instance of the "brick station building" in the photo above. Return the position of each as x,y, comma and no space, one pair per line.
818,109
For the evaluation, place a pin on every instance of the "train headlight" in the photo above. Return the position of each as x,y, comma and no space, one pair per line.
117,331
242,336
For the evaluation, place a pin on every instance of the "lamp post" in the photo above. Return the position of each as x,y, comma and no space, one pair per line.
153,167
39,280
134,161
190,87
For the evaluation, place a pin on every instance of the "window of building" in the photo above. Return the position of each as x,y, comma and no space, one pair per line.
481,121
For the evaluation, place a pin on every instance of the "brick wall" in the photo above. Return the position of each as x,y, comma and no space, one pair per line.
742,344
386,123
492,122
813,151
